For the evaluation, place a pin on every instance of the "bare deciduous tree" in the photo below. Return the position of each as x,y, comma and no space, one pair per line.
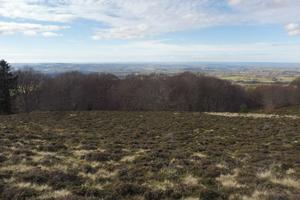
183,92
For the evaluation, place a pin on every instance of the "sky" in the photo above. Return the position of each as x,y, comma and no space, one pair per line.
91,31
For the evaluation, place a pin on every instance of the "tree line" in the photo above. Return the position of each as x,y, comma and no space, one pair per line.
28,90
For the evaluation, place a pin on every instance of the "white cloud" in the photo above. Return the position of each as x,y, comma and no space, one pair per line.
122,32
29,29
266,11
262,4
49,34
41,10
234,2
293,29
122,18
28,32
127,19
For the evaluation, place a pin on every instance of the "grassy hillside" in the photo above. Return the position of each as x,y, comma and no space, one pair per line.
292,110
148,155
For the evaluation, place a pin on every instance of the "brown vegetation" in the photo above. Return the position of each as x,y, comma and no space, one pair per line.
148,155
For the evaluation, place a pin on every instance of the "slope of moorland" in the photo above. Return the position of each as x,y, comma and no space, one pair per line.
289,110
148,155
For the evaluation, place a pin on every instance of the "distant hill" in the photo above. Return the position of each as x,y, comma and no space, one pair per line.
129,68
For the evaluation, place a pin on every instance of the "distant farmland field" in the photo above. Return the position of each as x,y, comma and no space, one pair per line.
148,155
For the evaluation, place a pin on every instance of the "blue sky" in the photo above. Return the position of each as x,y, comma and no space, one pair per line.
148,31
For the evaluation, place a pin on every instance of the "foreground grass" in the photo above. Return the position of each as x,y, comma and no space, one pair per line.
148,155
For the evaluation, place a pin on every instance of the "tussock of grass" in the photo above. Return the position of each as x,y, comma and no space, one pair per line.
290,171
16,168
101,173
161,185
229,180
281,179
129,158
56,194
37,187
221,165
82,152
191,198
285,181
289,182
134,156
190,180
199,155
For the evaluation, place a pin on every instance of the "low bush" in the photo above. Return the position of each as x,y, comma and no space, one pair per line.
15,193
62,180
2,158
98,156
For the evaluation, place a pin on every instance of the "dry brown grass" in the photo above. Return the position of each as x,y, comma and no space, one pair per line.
148,155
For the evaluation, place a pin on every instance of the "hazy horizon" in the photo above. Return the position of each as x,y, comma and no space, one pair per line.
158,62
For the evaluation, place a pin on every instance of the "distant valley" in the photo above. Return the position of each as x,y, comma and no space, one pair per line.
242,73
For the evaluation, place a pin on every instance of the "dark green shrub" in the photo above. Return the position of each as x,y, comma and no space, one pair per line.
53,147
87,191
2,184
5,175
49,160
2,158
153,195
130,189
88,169
125,174
60,179
23,152
172,194
244,108
35,176
98,156
15,193
210,194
